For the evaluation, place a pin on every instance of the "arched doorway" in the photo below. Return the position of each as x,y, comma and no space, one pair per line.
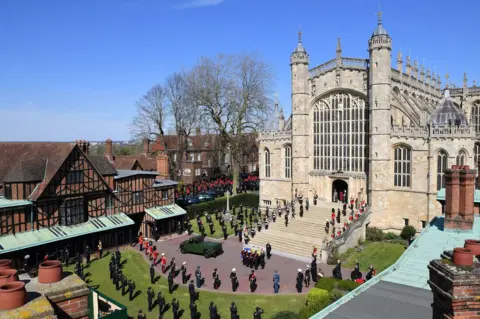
339,186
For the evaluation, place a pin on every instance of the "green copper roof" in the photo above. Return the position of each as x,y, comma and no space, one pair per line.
5,203
162,212
441,195
411,268
10,243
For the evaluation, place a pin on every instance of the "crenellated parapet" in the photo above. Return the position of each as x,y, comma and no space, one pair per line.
416,85
433,132
270,135
345,63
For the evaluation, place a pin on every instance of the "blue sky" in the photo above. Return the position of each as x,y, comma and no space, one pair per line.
74,69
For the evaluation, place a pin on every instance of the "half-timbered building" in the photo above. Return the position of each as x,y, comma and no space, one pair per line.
55,196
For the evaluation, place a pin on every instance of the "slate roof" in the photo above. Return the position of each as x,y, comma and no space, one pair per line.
103,166
126,162
122,173
386,300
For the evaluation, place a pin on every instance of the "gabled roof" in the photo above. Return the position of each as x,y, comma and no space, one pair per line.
103,166
31,161
126,162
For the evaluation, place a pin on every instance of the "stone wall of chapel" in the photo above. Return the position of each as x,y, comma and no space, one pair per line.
276,186
323,185
349,79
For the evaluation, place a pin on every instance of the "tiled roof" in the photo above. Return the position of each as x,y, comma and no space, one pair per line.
124,162
128,162
103,166
122,173
31,161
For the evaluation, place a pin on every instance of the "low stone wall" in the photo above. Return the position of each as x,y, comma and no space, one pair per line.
350,238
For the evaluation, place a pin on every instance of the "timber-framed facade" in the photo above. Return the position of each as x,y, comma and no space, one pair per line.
55,197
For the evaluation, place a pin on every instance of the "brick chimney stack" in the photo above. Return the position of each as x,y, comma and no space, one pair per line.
109,150
456,290
162,166
83,145
459,197
146,147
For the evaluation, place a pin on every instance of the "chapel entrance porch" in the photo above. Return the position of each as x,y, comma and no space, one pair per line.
339,191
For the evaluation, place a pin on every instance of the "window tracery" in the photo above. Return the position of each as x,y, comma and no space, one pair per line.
442,165
402,173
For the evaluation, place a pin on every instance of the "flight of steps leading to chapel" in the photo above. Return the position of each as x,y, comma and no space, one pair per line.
301,234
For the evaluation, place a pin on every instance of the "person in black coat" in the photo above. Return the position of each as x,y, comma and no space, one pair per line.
160,303
150,295
183,270
192,292
269,250
234,311
152,274
299,281
234,280
170,282
175,308
140,315
213,311
193,311
306,276
337,271
258,313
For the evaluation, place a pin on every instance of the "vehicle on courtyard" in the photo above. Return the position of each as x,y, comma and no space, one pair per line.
206,197
198,245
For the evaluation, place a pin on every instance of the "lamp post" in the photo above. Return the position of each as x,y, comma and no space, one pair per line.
228,201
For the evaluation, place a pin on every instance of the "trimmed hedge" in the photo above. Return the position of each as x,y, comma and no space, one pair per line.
285,314
347,285
375,234
327,284
407,232
247,200
317,299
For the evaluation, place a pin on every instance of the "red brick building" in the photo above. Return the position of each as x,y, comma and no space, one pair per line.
56,195
202,156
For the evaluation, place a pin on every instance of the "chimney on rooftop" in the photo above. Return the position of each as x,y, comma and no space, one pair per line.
83,145
146,147
459,197
109,150
162,166
198,131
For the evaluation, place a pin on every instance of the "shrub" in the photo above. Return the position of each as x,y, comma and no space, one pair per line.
407,232
391,236
347,285
360,241
247,200
337,293
375,234
285,314
317,299
327,284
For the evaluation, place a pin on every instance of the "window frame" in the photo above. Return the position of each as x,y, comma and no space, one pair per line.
138,197
75,177
67,217
267,163
402,166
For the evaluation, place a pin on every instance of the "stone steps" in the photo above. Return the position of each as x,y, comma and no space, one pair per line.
301,234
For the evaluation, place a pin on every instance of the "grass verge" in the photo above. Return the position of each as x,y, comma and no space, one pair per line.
381,254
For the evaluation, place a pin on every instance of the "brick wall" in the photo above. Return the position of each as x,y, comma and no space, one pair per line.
73,308
459,197
456,290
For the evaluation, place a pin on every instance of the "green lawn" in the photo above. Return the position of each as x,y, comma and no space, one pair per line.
381,254
218,229
137,269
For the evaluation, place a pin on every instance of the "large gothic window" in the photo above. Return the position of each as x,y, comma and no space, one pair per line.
402,173
340,126
476,116
442,164
267,162
461,158
288,162
476,153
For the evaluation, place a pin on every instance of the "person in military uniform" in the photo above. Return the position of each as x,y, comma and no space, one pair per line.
314,271
173,266
212,227
337,270
202,230
131,289
87,255
246,239
306,276
252,278
161,303
299,281
252,232
234,280
124,285
193,311
140,315
170,282
301,210
225,234
258,313
183,270
78,268
198,276
213,311
276,282
234,311
222,221
152,274
119,280
175,308
269,250
216,279
286,220
150,296
192,292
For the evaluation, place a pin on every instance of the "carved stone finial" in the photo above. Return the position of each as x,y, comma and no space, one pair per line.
399,57
379,14
408,61
339,46
465,80
276,98
428,72
299,36
474,83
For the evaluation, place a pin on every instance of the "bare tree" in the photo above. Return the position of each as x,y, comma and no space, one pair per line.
184,112
232,92
152,112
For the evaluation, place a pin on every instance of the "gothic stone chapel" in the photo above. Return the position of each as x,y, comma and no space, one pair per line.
380,134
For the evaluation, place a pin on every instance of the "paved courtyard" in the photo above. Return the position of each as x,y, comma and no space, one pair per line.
287,268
